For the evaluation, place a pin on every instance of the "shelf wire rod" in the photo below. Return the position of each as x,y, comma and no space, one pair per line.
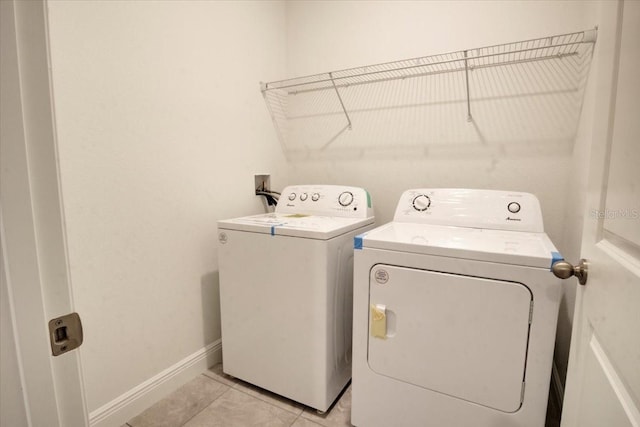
571,36
466,74
364,74
441,66
515,61
340,99
472,66
532,51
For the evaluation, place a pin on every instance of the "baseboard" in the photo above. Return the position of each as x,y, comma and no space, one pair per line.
558,388
128,405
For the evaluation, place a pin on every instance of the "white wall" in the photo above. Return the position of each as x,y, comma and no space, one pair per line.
161,126
326,36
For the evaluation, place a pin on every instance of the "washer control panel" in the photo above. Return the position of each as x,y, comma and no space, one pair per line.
490,209
329,200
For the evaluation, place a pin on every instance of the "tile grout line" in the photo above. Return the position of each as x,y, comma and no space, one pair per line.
239,385
258,397
211,403
294,421
233,387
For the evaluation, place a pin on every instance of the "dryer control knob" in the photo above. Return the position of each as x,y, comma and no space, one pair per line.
315,197
303,196
513,207
292,196
345,198
421,202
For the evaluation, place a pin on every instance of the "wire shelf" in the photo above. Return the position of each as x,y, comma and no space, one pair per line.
286,99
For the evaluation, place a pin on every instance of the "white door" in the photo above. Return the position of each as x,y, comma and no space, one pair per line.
34,262
603,380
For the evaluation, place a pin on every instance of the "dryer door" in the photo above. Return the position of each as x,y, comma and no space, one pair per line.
458,335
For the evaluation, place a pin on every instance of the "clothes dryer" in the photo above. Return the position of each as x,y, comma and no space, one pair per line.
455,312
286,292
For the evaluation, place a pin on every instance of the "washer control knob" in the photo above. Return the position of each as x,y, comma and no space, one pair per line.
315,197
345,198
292,196
513,207
421,202
304,196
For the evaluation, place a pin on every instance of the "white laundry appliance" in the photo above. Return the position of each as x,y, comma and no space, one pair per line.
286,292
455,312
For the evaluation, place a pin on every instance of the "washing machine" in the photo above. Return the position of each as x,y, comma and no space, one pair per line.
455,312
286,292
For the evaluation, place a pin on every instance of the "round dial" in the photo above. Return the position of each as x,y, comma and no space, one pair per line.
304,196
345,198
315,197
513,207
421,202
292,196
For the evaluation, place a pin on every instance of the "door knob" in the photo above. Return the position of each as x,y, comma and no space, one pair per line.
564,270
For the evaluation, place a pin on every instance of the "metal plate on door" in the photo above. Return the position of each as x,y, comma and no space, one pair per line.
65,333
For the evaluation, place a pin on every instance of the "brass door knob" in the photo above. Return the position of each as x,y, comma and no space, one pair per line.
564,270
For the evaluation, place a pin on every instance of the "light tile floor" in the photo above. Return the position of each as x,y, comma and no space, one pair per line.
216,399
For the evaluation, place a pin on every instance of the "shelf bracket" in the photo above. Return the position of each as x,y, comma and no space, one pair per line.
466,74
340,99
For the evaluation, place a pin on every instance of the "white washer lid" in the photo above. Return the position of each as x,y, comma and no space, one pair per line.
501,246
295,225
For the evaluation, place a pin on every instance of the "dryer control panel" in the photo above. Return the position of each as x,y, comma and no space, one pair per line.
328,200
488,209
